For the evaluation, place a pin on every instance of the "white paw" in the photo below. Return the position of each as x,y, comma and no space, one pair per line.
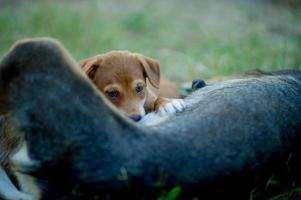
176,105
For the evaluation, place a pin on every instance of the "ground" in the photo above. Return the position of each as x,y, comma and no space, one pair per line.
191,39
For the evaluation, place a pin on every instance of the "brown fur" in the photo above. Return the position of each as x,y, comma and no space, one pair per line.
124,71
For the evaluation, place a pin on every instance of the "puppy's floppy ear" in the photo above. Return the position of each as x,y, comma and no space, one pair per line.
90,65
151,68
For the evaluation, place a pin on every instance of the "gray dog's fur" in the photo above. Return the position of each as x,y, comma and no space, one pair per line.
231,138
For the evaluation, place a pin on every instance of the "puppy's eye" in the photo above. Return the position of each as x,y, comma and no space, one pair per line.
113,94
139,89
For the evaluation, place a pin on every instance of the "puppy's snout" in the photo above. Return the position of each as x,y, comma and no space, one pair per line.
136,118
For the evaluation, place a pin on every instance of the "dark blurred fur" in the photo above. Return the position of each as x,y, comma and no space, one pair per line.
232,137
10,140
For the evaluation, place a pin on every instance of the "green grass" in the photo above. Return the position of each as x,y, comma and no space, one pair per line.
191,39
173,194
289,194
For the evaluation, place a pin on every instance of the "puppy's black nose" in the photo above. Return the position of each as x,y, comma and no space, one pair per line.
136,118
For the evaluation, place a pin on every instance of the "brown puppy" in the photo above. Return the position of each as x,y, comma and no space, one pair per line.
126,79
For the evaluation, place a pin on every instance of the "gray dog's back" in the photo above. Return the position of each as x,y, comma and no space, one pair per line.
233,131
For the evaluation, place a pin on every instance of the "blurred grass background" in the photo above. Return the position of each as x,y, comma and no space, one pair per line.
190,38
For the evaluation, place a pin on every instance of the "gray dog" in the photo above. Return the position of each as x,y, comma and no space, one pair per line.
230,140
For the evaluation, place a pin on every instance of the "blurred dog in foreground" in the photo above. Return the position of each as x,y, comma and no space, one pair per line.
132,82
9,141
230,139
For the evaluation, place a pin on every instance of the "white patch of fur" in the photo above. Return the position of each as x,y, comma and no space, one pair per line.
176,105
26,182
8,191
141,107
164,112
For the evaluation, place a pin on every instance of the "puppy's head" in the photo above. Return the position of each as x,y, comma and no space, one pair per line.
121,76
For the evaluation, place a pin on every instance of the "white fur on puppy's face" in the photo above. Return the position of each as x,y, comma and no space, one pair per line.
28,184
128,95
142,108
